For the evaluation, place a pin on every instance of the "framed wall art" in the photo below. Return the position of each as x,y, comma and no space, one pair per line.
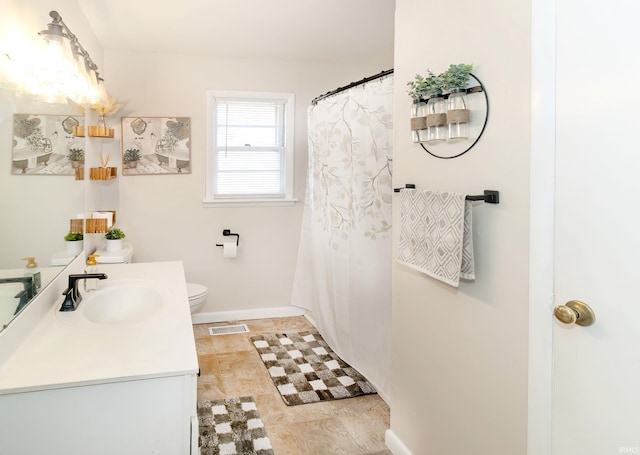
45,144
156,145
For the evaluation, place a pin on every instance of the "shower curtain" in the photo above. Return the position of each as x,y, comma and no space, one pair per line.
343,274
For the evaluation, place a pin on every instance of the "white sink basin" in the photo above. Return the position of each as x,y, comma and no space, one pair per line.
122,304
117,303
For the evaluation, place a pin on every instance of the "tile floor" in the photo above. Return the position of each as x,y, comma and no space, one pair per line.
230,366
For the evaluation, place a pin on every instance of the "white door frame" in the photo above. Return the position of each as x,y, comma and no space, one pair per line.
542,225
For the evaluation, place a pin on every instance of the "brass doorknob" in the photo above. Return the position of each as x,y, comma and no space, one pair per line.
575,311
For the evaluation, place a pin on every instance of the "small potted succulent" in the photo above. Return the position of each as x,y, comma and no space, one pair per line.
73,241
76,156
131,157
114,238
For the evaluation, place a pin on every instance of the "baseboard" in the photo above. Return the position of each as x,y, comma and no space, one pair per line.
384,397
394,444
243,315
308,317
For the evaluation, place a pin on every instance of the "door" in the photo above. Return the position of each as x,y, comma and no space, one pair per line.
596,390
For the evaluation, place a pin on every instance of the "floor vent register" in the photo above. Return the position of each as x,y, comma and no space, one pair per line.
228,329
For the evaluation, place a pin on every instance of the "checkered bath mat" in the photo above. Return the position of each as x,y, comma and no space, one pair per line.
305,369
232,426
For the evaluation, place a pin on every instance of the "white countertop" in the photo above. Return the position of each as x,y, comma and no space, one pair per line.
66,350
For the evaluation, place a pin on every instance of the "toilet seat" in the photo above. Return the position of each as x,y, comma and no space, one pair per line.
197,296
196,291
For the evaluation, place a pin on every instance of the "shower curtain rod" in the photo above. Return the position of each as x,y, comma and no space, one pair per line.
353,84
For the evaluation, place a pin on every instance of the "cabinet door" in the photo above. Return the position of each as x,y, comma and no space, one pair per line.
144,416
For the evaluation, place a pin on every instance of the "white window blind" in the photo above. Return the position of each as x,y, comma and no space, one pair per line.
247,172
254,123
250,140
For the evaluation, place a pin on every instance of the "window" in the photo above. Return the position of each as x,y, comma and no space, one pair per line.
250,148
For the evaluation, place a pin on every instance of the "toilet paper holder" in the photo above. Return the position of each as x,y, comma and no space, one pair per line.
227,233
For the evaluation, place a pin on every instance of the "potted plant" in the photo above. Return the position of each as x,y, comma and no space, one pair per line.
114,238
436,121
73,241
76,156
418,92
456,76
455,80
418,88
131,157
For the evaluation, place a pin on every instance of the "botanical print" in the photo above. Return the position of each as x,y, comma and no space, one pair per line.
45,145
156,145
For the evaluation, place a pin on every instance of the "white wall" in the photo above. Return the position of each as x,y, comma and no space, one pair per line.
459,356
163,216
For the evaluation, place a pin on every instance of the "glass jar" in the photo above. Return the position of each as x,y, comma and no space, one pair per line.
458,115
436,119
419,121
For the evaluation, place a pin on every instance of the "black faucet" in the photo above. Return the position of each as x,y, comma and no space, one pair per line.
26,281
72,295
26,294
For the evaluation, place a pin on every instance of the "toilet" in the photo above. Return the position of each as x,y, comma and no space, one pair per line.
197,292
197,296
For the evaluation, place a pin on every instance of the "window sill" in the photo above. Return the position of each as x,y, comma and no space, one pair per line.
279,202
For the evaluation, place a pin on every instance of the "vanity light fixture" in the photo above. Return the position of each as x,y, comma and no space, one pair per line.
68,70
55,69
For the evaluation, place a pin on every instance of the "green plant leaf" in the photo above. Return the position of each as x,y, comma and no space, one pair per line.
114,234
457,76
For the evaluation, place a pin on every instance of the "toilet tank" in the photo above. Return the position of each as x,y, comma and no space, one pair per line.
124,256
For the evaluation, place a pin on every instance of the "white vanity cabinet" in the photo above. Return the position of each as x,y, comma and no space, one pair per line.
120,386
149,416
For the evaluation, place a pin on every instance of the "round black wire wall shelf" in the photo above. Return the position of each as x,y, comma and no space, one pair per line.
479,111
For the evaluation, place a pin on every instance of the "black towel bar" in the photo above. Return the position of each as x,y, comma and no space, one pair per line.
489,196
410,186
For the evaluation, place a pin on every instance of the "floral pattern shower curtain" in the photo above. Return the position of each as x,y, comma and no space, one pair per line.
343,274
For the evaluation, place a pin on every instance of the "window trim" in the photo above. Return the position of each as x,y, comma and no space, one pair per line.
210,200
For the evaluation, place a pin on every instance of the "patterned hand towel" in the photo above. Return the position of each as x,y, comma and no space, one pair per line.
435,235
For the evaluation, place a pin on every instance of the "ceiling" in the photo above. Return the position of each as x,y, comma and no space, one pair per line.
341,31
